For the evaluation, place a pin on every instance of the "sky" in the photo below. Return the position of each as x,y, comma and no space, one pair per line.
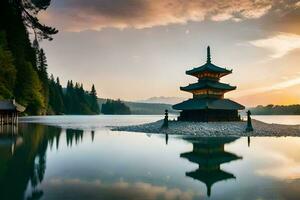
137,49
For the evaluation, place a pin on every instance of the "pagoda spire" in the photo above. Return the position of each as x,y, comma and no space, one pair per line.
208,55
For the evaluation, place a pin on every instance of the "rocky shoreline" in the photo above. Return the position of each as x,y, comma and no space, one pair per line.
214,129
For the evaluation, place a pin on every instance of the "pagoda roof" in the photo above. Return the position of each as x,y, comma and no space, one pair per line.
210,177
211,141
204,84
216,158
208,103
208,67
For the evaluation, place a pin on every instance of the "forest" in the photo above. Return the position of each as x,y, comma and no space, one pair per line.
276,110
23,64
115,107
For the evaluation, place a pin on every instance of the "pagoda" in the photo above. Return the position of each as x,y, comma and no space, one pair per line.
208,102
209,154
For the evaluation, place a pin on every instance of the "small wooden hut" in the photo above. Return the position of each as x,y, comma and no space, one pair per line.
9,111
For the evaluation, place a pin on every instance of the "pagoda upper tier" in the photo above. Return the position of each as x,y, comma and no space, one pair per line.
209,70
208,84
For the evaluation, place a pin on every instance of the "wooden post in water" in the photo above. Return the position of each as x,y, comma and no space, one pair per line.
15,118
248,141
167,138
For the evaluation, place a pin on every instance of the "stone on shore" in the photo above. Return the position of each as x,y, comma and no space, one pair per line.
204,129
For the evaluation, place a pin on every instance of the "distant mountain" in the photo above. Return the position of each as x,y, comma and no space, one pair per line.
140,108
163,100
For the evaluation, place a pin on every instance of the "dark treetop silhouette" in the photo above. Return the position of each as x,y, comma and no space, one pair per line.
112,107
208,103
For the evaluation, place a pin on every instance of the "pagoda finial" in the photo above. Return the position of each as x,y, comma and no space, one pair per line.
208,55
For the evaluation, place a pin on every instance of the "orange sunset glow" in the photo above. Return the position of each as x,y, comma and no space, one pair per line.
136,50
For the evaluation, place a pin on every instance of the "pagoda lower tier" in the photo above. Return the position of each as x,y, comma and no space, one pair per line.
208,109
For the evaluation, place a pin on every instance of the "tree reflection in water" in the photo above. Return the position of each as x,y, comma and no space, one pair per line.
23,164
22,168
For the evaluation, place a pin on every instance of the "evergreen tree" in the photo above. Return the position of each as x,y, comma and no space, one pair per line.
68,98
94,102
51,106
30,90
7,70
84,102
59,101
56,105
43,75
29,9
93,91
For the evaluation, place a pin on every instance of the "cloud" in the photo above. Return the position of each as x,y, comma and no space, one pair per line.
76,188
282,168
274,87
284,16
78,15
284,162
280,44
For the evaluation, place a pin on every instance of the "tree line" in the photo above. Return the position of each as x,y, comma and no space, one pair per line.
71,100
115,107
23,64
276,110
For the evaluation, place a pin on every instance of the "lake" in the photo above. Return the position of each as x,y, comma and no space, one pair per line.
78,157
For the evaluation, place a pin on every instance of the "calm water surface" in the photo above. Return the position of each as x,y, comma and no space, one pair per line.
73,157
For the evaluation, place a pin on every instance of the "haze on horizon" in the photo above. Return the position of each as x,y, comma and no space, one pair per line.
137,49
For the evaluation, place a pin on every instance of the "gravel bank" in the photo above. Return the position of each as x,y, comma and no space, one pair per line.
214,128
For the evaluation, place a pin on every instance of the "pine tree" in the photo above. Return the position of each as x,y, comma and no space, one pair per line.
7,69
56,104
43,75
94,100
30,90
93,91
59,100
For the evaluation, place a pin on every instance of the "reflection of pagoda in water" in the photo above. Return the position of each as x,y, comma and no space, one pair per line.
209,154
